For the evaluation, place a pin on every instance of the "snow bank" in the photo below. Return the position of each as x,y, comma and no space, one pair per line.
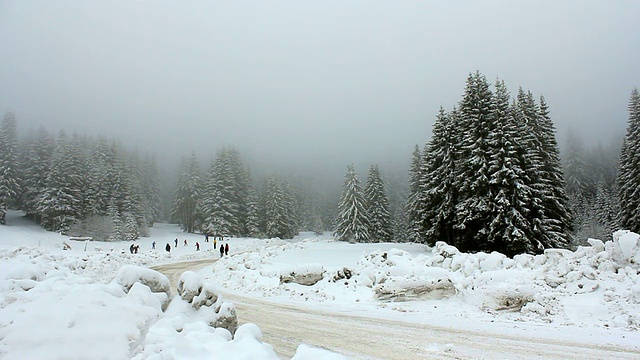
63,315
62,306
594,285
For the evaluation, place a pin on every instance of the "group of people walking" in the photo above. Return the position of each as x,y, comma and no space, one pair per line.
224,248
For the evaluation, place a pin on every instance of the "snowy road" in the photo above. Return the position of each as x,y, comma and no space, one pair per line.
285,327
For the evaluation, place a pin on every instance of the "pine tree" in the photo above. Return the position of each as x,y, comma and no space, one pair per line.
377,207
352,216
60,203
607,211
220,207
490,175
558,221
438,183
252,223
151,190
9,181
188,194
275,209
575,167
413,204
473,156
36,162
629,178
510,230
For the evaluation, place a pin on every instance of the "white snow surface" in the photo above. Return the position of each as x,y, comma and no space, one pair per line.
96,300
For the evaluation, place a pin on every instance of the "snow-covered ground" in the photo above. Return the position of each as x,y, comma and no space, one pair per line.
80,303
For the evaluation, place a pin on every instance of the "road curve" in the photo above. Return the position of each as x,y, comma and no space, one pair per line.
285,327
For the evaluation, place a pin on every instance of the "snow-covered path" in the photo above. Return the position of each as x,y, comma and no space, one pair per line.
286,326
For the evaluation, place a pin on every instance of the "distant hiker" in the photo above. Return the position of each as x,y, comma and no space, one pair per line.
221,250
176,242
168,247
206,237
131,248
226,249
136,248
215,241
185,242
153,245
197,246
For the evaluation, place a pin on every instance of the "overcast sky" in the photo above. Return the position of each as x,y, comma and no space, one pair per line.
300,81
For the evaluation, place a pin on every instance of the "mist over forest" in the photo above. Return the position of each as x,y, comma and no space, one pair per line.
264,119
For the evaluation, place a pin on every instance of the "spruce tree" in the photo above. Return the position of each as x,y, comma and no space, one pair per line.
188,194
438,184
275,211
472,165
151,190
9,181
377,207
36,161
220,207
509,230
61,201
352,224
558,221
413,203
629,178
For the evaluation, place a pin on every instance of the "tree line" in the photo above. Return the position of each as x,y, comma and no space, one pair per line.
489,179
77,185
225,201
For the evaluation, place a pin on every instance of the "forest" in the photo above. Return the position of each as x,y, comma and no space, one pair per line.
492,177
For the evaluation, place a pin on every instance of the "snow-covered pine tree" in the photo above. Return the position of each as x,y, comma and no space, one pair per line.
293,203
239,192
116,233
133,204
151,190
36,161
352,221
252,221
607,211
220,206
188,194
629,178
275,209
413,221
9,181
558,221
377,207
580,199
509,230
60,203
438,182
472,164
525,114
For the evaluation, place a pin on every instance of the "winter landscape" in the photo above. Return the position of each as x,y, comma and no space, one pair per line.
81,303
319,180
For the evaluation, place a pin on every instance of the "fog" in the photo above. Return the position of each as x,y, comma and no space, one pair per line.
306,87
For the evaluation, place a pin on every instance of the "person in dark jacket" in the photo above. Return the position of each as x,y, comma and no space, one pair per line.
168,247
226,249
221,250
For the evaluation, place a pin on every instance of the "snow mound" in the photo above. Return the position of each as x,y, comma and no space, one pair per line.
600,280
305,274
206,302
